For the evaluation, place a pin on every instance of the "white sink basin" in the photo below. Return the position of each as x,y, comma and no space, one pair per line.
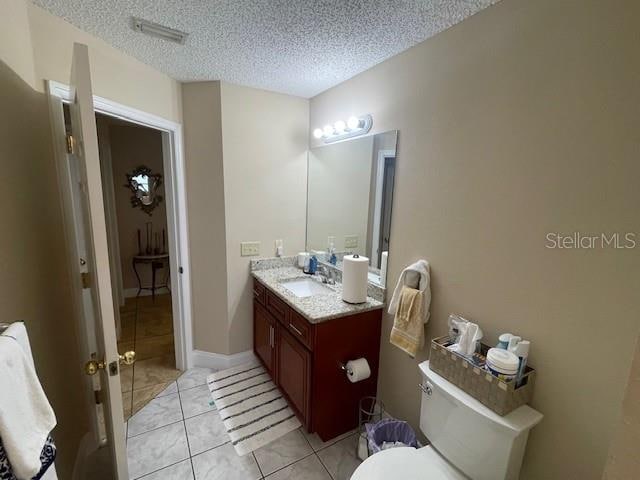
305,287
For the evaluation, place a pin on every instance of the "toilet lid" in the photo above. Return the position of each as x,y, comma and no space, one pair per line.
407,464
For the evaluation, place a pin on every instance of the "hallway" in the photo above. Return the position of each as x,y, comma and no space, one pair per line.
147,328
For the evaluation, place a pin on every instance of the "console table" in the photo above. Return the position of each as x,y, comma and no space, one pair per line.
157,262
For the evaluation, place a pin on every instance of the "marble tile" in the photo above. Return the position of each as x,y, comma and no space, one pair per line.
127,326
126,378
126,405
157,449
340,458
205,431
310,468
284,451
143,396
223,463
316,442
171,388
179,471
130,305
154,371
154,346
157,413
196,400
154,322
194,377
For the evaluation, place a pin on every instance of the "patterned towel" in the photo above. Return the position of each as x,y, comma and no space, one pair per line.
47,457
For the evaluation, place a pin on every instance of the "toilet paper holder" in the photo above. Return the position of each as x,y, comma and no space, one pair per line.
344,368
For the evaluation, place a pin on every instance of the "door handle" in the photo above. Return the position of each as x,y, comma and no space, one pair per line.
93,366
127,358
293,327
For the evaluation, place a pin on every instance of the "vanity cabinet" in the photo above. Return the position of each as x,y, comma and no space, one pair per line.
304,360
264,337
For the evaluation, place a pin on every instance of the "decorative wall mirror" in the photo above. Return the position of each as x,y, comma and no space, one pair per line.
144,186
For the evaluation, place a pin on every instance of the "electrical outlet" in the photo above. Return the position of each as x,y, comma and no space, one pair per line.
351,241
249,249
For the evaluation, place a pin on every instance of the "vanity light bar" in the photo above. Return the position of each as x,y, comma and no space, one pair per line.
340,130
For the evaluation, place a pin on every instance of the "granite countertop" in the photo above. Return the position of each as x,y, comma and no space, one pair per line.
316,308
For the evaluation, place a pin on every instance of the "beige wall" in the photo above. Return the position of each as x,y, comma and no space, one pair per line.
115,75
338,194
265,169
16,49
205,198
34,284
131,147
34,287
519,121
623,462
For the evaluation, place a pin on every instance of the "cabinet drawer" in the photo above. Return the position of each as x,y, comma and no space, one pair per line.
259,291
300,328
277,307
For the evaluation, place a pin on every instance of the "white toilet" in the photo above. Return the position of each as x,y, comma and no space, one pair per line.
468,441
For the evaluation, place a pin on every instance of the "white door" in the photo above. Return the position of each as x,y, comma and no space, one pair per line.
83,204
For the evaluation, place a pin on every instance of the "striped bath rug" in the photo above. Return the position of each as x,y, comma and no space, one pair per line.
252,408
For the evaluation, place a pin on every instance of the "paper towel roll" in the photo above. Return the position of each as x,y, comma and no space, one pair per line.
355,272
383,268
358,370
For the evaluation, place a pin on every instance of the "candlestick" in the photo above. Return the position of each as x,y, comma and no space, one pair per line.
148,250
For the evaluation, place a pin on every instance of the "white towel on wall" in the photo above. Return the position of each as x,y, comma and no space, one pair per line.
415,276
26,417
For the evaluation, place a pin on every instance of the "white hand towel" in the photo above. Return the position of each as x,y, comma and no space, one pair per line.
26,417
415,276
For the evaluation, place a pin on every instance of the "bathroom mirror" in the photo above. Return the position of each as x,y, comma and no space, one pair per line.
144,186
349,199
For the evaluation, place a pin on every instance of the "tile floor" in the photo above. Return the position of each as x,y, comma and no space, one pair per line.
180,436
147,328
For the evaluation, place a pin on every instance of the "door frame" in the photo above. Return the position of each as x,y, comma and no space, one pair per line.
377,209
177,218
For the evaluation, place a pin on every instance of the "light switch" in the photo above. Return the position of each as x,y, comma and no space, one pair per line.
351,241
249,249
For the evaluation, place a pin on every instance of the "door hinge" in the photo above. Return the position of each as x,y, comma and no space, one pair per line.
71,142
86,279
180,270
97,395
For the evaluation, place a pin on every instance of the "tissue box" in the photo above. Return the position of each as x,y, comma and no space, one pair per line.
501,397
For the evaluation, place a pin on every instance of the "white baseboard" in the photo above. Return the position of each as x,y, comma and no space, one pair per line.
220,361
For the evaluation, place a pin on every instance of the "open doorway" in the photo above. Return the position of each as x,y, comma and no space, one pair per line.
137,218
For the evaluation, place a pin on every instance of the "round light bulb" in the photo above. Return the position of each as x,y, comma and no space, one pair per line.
317,133
328,130
340,126
353,123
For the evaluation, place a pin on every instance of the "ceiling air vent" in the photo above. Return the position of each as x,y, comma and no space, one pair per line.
160,31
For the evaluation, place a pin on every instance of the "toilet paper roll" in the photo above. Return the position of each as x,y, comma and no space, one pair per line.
358,370
383,268
355,272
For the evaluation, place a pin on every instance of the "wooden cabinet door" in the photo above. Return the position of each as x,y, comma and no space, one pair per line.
264,337
294,373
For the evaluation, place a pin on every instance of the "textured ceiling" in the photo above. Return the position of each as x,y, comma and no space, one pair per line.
297,47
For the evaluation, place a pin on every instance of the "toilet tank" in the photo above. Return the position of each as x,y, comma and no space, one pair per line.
476,440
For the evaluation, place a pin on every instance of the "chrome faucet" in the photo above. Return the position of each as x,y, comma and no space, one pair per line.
326,275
